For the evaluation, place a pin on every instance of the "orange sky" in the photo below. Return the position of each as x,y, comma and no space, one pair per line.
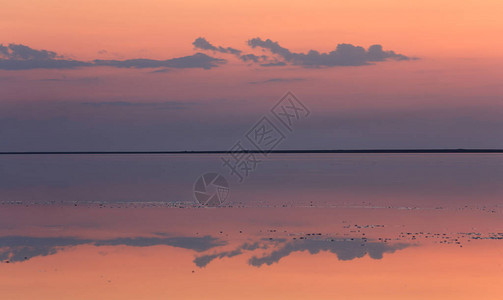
457,75
167,28
451,97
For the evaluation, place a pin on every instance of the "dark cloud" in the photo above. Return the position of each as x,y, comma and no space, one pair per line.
21,248
22,52
202,43
274,64
198,60
11,64
21,57
274,47
161,71
204,260
343,55
376,53
344,249
15,64
4,51
198,244
252,57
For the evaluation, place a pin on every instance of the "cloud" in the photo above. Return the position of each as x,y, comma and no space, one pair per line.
198,244
344,249
202,43
204,260
252,57
8,64
274,64
198,60
22,52
4,51
343,55
21,57
21,248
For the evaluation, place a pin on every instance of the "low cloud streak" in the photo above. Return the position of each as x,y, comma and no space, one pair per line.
21,57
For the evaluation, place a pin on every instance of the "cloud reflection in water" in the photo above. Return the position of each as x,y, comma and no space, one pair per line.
21,248
345,249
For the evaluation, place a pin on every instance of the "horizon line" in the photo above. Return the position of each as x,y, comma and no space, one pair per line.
301,151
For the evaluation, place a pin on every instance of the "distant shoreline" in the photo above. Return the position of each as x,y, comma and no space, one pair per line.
354,151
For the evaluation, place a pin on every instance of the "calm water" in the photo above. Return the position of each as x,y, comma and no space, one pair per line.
298,227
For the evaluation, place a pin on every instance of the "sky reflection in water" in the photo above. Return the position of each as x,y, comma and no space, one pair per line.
371,227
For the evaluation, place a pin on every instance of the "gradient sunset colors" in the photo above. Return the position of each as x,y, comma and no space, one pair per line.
131,75
95,93
420,268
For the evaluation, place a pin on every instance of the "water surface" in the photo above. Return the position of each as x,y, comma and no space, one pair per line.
325,226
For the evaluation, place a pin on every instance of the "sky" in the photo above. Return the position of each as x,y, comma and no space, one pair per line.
197,75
